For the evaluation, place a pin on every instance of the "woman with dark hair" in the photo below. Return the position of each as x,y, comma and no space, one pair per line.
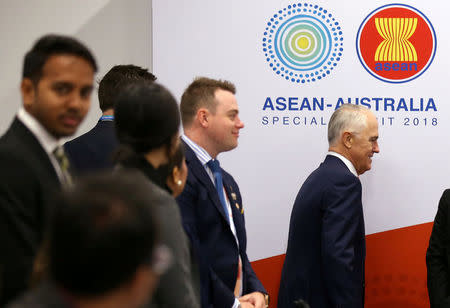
147,123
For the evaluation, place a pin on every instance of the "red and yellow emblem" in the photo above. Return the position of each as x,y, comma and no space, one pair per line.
396,43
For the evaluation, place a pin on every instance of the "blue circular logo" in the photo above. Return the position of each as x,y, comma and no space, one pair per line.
302,43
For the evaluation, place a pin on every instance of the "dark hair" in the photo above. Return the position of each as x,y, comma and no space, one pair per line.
48,46
201,93
102,230
146,117
177,158
116,79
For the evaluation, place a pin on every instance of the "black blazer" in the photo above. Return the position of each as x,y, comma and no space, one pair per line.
438,256
325,256
92,151
207,226
28,181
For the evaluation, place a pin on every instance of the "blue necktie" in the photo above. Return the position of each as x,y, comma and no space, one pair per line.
217,172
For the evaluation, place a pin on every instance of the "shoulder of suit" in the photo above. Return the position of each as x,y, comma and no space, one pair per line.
446,194
82,139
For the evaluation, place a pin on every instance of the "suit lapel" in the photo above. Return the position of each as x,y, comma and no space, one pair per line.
236,208
198,170
30,144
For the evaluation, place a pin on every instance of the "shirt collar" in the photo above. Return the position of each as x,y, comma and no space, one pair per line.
200,152
345,160
47,141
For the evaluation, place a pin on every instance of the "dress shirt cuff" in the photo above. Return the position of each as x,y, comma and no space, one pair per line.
236,303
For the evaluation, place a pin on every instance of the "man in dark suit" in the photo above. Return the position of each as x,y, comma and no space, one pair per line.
58,76
93,150
438,256
103,245
324,263
211,205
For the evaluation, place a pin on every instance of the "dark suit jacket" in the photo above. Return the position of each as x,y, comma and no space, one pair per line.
438,256
324,262
92,151
207,226
27,182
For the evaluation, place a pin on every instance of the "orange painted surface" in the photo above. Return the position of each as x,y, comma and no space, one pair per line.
269,272
396,274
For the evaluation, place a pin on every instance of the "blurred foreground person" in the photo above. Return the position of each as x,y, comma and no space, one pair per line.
102,246
147,123
324,264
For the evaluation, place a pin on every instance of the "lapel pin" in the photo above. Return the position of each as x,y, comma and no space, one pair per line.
233,196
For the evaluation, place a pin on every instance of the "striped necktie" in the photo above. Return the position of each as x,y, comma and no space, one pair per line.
64,165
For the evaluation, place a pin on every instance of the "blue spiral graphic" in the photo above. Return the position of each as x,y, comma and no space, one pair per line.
302,43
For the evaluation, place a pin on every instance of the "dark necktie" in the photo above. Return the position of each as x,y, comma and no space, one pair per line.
214,165
64,165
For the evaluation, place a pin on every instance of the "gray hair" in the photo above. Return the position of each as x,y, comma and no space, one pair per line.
347,117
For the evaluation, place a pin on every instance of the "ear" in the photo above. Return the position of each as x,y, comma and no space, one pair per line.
28,91
347,139
203,117
175,174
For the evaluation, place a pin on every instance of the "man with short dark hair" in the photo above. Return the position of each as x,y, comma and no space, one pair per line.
324,264
92,151
211,205
103,246
58,76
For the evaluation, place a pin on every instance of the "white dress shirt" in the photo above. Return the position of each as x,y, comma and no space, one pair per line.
47,141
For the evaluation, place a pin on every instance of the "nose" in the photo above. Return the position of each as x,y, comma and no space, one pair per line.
375,147
239,123
78,101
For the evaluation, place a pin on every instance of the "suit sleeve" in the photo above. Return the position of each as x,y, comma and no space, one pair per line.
213,290
340,233
438,255
20,225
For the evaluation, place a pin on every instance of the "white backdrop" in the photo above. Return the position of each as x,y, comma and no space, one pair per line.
223,39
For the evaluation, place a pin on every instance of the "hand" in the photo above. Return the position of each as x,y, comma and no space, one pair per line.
246,305
256,299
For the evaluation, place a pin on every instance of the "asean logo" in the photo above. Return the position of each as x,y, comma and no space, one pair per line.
302,43
396,43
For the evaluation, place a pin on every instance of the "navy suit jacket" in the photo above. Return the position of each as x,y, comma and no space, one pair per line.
324,262
28,181
93,150
214,244
438,256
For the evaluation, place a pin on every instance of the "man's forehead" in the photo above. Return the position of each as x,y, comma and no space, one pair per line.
66,64
226,99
